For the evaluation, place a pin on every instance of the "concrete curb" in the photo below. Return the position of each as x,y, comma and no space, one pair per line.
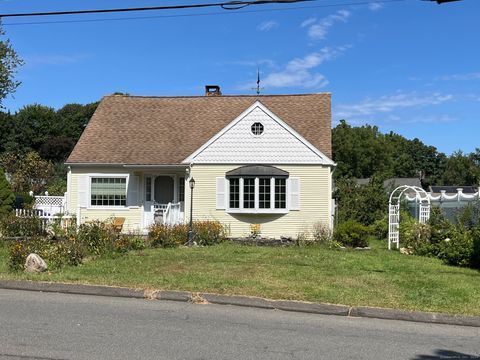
247,301
72,288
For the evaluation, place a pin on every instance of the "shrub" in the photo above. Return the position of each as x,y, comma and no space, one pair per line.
204,233
441,228
7,198
208,232
352,234
162,235
475,260
55,253
97,237
364,204
458,249
321,233
416,236
13,226
379,228
129,242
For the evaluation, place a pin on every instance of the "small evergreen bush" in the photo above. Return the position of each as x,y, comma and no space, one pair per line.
458,249
352,234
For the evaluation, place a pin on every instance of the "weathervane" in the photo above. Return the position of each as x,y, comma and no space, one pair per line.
258,88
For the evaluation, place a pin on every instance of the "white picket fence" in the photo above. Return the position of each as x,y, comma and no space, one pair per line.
47,208
46,218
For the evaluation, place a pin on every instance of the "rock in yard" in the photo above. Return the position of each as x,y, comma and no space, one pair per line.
406,251
35,263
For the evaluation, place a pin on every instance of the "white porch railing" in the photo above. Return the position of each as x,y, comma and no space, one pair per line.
170,214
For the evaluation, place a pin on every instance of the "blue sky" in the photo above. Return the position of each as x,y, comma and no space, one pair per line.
410,66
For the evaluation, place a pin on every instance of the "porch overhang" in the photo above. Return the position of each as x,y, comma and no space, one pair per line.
159,167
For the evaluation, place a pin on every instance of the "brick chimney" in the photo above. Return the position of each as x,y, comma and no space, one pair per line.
212,90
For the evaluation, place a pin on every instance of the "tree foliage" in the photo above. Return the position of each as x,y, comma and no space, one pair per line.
9,62
7,198
29,172
363,152
365,204
461,169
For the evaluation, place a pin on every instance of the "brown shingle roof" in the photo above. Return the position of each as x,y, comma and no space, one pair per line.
166,130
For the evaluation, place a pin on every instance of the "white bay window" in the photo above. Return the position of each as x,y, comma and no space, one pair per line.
257,189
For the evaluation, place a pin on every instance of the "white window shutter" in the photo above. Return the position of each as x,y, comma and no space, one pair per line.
83,185
221,193
294,193
132,191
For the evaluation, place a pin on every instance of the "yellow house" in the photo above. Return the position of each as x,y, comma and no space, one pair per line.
254,159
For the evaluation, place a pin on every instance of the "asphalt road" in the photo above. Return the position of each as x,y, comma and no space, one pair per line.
56,326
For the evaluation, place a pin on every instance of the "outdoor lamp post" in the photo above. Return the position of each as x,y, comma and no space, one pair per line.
190,230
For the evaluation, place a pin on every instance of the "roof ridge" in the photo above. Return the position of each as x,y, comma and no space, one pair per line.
210,97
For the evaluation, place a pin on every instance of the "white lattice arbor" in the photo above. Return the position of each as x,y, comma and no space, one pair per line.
422,210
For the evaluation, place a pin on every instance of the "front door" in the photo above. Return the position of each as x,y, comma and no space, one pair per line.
158,190
164,189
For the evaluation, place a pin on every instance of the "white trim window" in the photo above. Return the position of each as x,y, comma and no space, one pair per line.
257,195
108,191
258,189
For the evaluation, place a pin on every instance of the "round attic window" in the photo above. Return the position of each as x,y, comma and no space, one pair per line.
257,129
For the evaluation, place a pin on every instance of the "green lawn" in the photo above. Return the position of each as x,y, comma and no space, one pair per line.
370,278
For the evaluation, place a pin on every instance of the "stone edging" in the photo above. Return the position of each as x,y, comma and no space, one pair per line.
286,305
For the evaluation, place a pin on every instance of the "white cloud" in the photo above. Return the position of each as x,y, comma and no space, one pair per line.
308,22
375,6
300,72
460,77
389,103
266,62
53,59
318,29
432,119
267,25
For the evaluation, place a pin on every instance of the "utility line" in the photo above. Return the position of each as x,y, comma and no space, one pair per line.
200,14
230,5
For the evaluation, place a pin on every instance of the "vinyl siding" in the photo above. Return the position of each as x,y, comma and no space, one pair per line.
132,214
315,202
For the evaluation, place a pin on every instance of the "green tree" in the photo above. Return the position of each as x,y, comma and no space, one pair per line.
74,118
363,152
34,125
29,172
359,151
365,204
461,169
7,198
9,61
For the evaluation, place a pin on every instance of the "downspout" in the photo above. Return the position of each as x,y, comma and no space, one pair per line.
333,214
